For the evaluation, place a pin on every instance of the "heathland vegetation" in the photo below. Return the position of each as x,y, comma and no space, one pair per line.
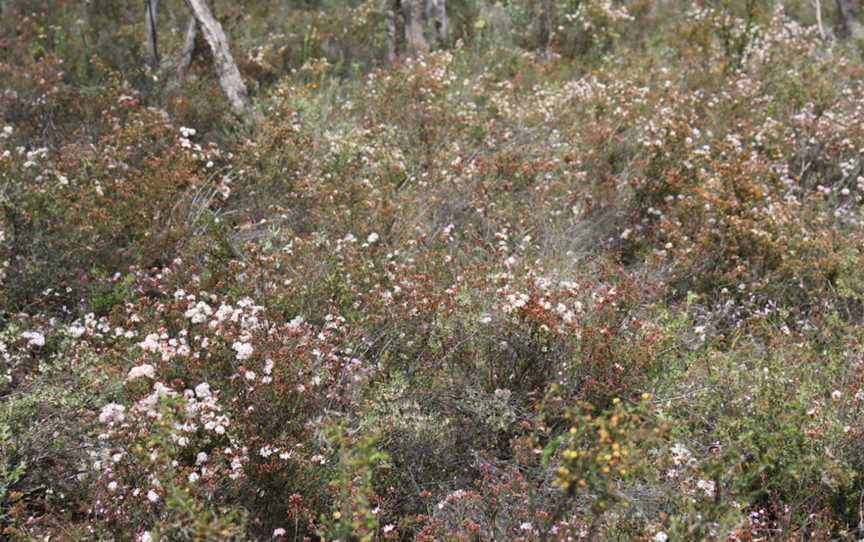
481,271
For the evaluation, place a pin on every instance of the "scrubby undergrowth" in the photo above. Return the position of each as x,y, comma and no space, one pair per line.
612,293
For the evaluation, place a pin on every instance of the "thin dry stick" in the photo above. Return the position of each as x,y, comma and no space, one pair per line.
819,18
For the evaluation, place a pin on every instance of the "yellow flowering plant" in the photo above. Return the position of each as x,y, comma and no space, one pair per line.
601,452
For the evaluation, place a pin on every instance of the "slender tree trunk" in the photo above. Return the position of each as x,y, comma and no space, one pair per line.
818,7
436,13
185,58
850,10
229,75
151,30
546,21
425,24
390,29
413,15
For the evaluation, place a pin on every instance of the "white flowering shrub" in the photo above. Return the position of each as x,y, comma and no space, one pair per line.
608,292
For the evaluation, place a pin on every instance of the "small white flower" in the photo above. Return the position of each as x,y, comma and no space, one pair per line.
707,486
112,412
244,350
680,454
278,532
150,343
34,338
373,238
152,496
193,477
141,371
296,322
660,537
836,395
199,312
202,390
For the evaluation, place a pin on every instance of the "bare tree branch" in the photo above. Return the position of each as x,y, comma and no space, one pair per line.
818,6
185,58
229,75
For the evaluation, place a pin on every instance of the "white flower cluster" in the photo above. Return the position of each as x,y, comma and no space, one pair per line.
141,371
34,338
112,413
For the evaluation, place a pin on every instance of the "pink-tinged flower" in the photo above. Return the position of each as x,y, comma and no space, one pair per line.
199,312
150,343
112,412
244,350
202,390
141,371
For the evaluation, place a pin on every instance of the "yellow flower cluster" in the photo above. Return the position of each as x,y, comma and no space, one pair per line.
600,449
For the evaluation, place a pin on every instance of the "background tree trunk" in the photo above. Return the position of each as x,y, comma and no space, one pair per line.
436,13
425,24
390,29
185,58
229,75
850,11
546,21
151,29
413,15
